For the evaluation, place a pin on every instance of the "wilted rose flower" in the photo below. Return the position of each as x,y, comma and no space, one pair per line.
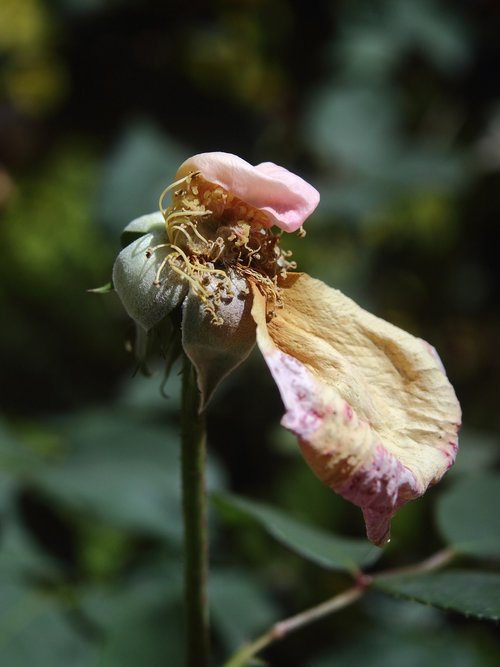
374,412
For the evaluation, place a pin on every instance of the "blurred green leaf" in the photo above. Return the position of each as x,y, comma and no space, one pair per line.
34,632
144,162
468,516
478,452
395,648
318,546
240,607
19,554
373,45
440,34
354,125
121,471
16,460
111,606
152,639
143,397
466,592
52,322
140,615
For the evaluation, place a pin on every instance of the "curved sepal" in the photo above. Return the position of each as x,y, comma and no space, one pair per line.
134,275
217,349
140,226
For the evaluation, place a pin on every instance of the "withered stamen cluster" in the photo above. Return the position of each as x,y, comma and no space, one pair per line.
213,234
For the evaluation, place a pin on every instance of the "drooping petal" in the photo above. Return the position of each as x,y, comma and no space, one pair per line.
134,276
216,350
375,415
285,198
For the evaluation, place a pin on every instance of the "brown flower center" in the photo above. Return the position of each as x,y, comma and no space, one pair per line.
213,234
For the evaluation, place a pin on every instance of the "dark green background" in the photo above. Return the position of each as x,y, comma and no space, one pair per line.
391,108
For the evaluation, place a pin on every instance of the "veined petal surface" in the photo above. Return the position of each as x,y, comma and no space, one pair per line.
375,414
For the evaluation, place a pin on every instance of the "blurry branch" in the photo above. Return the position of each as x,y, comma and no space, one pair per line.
363,582
434,562
283,628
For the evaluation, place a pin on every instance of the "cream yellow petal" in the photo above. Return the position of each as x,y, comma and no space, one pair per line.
375,415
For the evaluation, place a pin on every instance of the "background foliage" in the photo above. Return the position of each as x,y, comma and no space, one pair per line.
392,109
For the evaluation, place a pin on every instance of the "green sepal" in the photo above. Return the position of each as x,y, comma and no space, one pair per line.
141,226
134,275
141,349
103,289
215,350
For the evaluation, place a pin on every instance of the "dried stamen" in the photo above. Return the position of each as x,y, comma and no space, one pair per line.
212,233
185,179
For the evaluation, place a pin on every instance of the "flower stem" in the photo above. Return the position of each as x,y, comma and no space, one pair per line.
195,523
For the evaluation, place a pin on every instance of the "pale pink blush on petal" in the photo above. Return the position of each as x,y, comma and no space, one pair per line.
433,352
380,488
355,464
450,453
286,199
297,390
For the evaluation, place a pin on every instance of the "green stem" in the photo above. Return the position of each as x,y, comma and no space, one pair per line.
195,523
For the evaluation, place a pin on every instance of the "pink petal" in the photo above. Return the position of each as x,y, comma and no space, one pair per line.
285,198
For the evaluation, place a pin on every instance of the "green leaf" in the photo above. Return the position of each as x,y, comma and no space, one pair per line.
478,453
139,615
152,639
318,546
19,554
120,470
143,398
466,592
16,459
110,606
33,631
142,164
237,595
468,517
395,648
358,141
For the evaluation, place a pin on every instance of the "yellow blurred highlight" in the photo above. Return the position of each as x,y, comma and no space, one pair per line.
35,85
24,24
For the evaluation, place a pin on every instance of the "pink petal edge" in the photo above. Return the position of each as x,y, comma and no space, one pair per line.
284,197
382,484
